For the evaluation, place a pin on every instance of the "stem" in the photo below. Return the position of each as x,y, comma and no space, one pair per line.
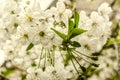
45,59
52,4
40,57
82,54
50,57
83,58
113,3
3,78
62,55
77,61
72,61
53,60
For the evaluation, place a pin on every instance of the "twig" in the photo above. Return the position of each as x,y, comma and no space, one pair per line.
52,4
3,78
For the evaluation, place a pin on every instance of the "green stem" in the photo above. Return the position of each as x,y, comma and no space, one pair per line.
78,62
83,54
40,57
45,59
83,58
53,56
62,55
50,57
72,61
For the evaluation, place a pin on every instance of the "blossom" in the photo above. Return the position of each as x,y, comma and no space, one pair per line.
104,9
2,57
51,44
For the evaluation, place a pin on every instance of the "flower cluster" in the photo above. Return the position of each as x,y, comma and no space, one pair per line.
52,44
109,66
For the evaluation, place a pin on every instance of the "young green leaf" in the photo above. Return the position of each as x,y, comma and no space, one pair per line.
111,41
62,35
8,72
76,32
75,44
76,19
30,46
71,26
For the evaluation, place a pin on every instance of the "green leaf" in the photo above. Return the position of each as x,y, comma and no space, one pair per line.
111,41
75,44
71,26
7,72
62,35
76,32
76,19
30,46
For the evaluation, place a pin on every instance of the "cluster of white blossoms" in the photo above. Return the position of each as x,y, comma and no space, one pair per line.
109,66
28,38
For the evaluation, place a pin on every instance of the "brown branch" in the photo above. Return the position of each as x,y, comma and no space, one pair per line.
3,78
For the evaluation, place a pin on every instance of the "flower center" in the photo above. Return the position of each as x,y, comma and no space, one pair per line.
25,35
41,34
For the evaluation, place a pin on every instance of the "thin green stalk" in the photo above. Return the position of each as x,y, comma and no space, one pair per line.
50,57
83,58
78,63
82,54
45,59
40,57
61,55
53,55
72,61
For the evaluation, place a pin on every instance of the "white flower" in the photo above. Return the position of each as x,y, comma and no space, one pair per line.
88,45
60,7
85,22
22,35
9,7
2,57
97,20
25,23
104,9
18,61
11,22
61,14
